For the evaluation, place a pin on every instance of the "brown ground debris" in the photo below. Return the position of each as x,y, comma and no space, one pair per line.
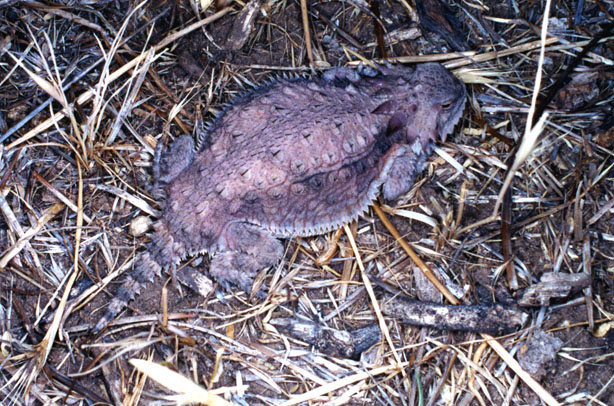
87,89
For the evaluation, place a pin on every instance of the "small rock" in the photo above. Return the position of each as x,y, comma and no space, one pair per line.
139,225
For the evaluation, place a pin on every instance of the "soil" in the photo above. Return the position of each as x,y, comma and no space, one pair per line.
561,214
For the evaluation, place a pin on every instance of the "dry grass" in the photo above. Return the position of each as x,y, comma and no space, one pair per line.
87,92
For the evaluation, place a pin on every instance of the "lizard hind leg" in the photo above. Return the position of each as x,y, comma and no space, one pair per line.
244,250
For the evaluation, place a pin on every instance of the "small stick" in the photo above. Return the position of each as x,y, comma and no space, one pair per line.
59,195
494,344
412,254
86,96
374,302
31,232
305,19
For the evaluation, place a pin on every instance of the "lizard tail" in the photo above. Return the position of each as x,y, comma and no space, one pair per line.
161,253
145,270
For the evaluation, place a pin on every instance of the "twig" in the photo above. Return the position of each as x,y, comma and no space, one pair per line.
59,195
129,102
341,383
135,201
532,131
86,96
565,76
31,232
412,254
305,18
374,302
499,349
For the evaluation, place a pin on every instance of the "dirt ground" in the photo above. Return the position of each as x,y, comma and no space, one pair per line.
87,90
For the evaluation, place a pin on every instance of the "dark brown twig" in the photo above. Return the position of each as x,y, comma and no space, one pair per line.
565,77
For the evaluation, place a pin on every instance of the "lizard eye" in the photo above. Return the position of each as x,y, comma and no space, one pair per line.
447,105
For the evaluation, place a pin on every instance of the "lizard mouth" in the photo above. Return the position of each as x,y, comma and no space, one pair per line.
445,127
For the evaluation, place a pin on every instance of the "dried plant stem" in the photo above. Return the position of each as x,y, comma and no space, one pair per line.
343,382
27,236
305,18
59,195
532,132
412,254
44,347
374,302
524,375
494,344
86,96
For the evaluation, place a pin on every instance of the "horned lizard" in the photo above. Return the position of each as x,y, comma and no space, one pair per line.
294,157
